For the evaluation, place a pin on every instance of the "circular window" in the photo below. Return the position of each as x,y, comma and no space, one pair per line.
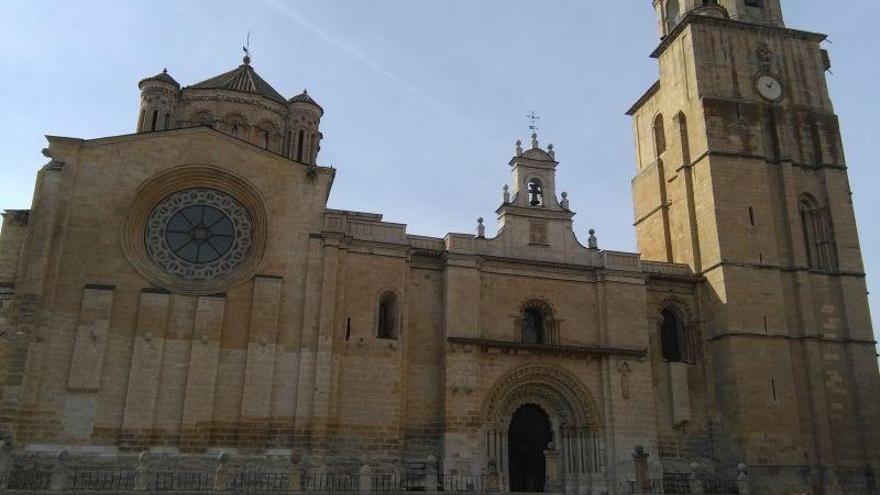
198,234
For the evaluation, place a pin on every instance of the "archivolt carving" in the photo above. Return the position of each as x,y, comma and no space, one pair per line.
538,303
569,399
679,306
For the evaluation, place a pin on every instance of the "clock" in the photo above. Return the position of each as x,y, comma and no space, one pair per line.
769,88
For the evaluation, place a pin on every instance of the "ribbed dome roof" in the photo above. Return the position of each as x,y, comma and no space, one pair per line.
305,98
244,79
163,76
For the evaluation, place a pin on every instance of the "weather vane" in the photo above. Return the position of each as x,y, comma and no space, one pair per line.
533,117
247,47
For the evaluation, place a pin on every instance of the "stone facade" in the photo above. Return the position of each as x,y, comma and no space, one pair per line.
342,341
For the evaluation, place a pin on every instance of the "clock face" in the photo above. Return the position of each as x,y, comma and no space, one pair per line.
769,88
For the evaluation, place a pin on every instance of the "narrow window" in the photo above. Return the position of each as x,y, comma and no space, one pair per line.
818,235
265,138
683,137
235,130
773,391
766,328
753,3
288,148
671,337
300,138
141,124
659,136
751,216
348,329
167,121
533,326
153,121
312,149
388,316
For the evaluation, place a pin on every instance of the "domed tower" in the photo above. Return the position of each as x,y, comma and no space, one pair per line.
671,12
303,138
158,103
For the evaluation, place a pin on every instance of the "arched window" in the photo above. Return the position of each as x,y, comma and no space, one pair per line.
818,234
300,138
154,119
678,342
234,130
288,147
536,192
167,121
388,317
141,121
265,138
312,149
673,15
659,135
533,326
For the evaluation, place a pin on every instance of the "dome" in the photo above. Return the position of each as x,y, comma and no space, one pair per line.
243,79
305,98
163,76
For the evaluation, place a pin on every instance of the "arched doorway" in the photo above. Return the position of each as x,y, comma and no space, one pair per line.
528,437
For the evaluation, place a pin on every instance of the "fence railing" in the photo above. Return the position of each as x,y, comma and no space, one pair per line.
687,485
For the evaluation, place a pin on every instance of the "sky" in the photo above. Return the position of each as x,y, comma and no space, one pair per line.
423,99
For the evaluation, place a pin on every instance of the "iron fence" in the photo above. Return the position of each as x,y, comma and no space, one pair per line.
683,484
26,480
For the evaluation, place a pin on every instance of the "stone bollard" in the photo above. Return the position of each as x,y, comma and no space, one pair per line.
223,473
365,479
5,462
432,473
142,473
742,480
643,476
697,487
294,474
58,478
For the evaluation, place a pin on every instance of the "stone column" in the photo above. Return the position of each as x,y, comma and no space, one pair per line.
141,473
5,462
365,479
742,480
551,459
58,478
643,475
696,480
222,474
294,474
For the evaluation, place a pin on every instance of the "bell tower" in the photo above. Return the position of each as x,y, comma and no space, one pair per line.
741,174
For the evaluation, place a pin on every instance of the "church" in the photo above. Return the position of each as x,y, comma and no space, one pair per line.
187,291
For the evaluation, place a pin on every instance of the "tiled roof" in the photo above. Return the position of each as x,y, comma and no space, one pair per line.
163,76
305,98
243,78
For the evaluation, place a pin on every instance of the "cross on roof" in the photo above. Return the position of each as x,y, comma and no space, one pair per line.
534,118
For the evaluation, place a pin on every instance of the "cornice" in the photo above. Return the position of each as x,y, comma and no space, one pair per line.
574,351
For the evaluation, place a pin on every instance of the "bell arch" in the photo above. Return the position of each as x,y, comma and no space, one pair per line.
575,418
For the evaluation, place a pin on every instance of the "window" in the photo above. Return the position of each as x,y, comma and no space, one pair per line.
388,316
300,138
818,234
265,135
751,216
288,146
659,136
153,121
312,149
754,3
683,138
533,327
536,193
143,117
678,343
167,121
673,15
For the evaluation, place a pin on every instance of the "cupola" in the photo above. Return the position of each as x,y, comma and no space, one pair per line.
158,102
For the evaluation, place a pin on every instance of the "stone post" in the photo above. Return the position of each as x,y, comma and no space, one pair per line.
551,457
58,478
432,472
365,479
742,480
5,462
142,473
294,474
222,474
696,481
643,476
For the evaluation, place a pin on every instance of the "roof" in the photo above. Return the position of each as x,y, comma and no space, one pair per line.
305,98
244,79
163,76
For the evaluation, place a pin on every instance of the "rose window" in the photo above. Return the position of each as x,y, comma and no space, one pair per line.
198,234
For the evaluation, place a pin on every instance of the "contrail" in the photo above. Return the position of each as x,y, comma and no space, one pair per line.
357,55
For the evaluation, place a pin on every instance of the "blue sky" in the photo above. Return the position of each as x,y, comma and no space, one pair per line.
423,99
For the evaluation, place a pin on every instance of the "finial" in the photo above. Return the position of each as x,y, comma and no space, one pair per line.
535,141
247,50
481,229
506,194
165,70
550,151
305,91
519,150
592,242
564,202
